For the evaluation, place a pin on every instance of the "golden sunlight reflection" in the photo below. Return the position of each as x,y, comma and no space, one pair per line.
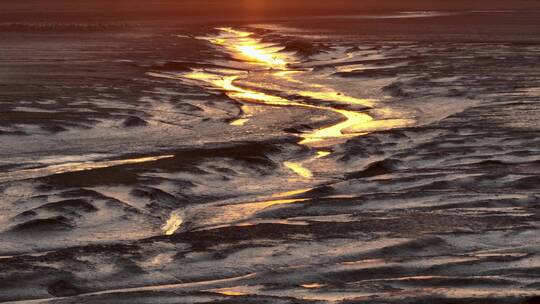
228,292
257,206
227,214
239,122
321,154
318,91
299,169
292,192
236,92
378,125
251,49
289,76
252,86
335,131
312,285
252,52
329,94
172,225
226,83
75,166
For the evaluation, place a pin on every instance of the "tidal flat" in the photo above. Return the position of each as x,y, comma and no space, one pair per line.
388,157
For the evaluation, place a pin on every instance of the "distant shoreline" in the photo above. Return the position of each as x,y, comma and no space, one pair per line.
210,10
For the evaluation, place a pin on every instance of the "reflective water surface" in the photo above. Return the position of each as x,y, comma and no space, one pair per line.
274,68
74,167
263,74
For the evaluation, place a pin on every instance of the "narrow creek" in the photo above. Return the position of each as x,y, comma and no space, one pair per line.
259,73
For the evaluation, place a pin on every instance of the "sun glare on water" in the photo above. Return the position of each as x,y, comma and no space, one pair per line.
173,223
258,54
251,49
247,49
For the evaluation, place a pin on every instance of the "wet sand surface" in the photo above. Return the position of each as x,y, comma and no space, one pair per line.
374,158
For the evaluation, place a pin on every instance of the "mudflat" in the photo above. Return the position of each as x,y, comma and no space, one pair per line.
165,152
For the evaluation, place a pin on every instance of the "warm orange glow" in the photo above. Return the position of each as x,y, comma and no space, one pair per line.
173,223
76,166
321,154
232,213
251,49
229,292
313,285
258,55
335,131
239,122
292,192
247,49
299,169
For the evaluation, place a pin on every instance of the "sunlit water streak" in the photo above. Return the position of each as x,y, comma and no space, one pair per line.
239,122
267,78
276,64
173,223
313,286
150,288
299,169
248,49
74,167
228,292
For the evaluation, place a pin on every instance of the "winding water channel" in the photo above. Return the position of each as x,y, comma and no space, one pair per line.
259,73
282,72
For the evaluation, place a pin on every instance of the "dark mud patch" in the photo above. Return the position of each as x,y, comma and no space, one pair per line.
63,288
134,121
386,166
303,48
39,226
74,205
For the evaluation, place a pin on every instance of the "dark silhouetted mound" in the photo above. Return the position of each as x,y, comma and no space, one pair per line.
134,121
533,300
63,289
298,129
42,225
70,205
302,47
378,168
54,128
396,89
